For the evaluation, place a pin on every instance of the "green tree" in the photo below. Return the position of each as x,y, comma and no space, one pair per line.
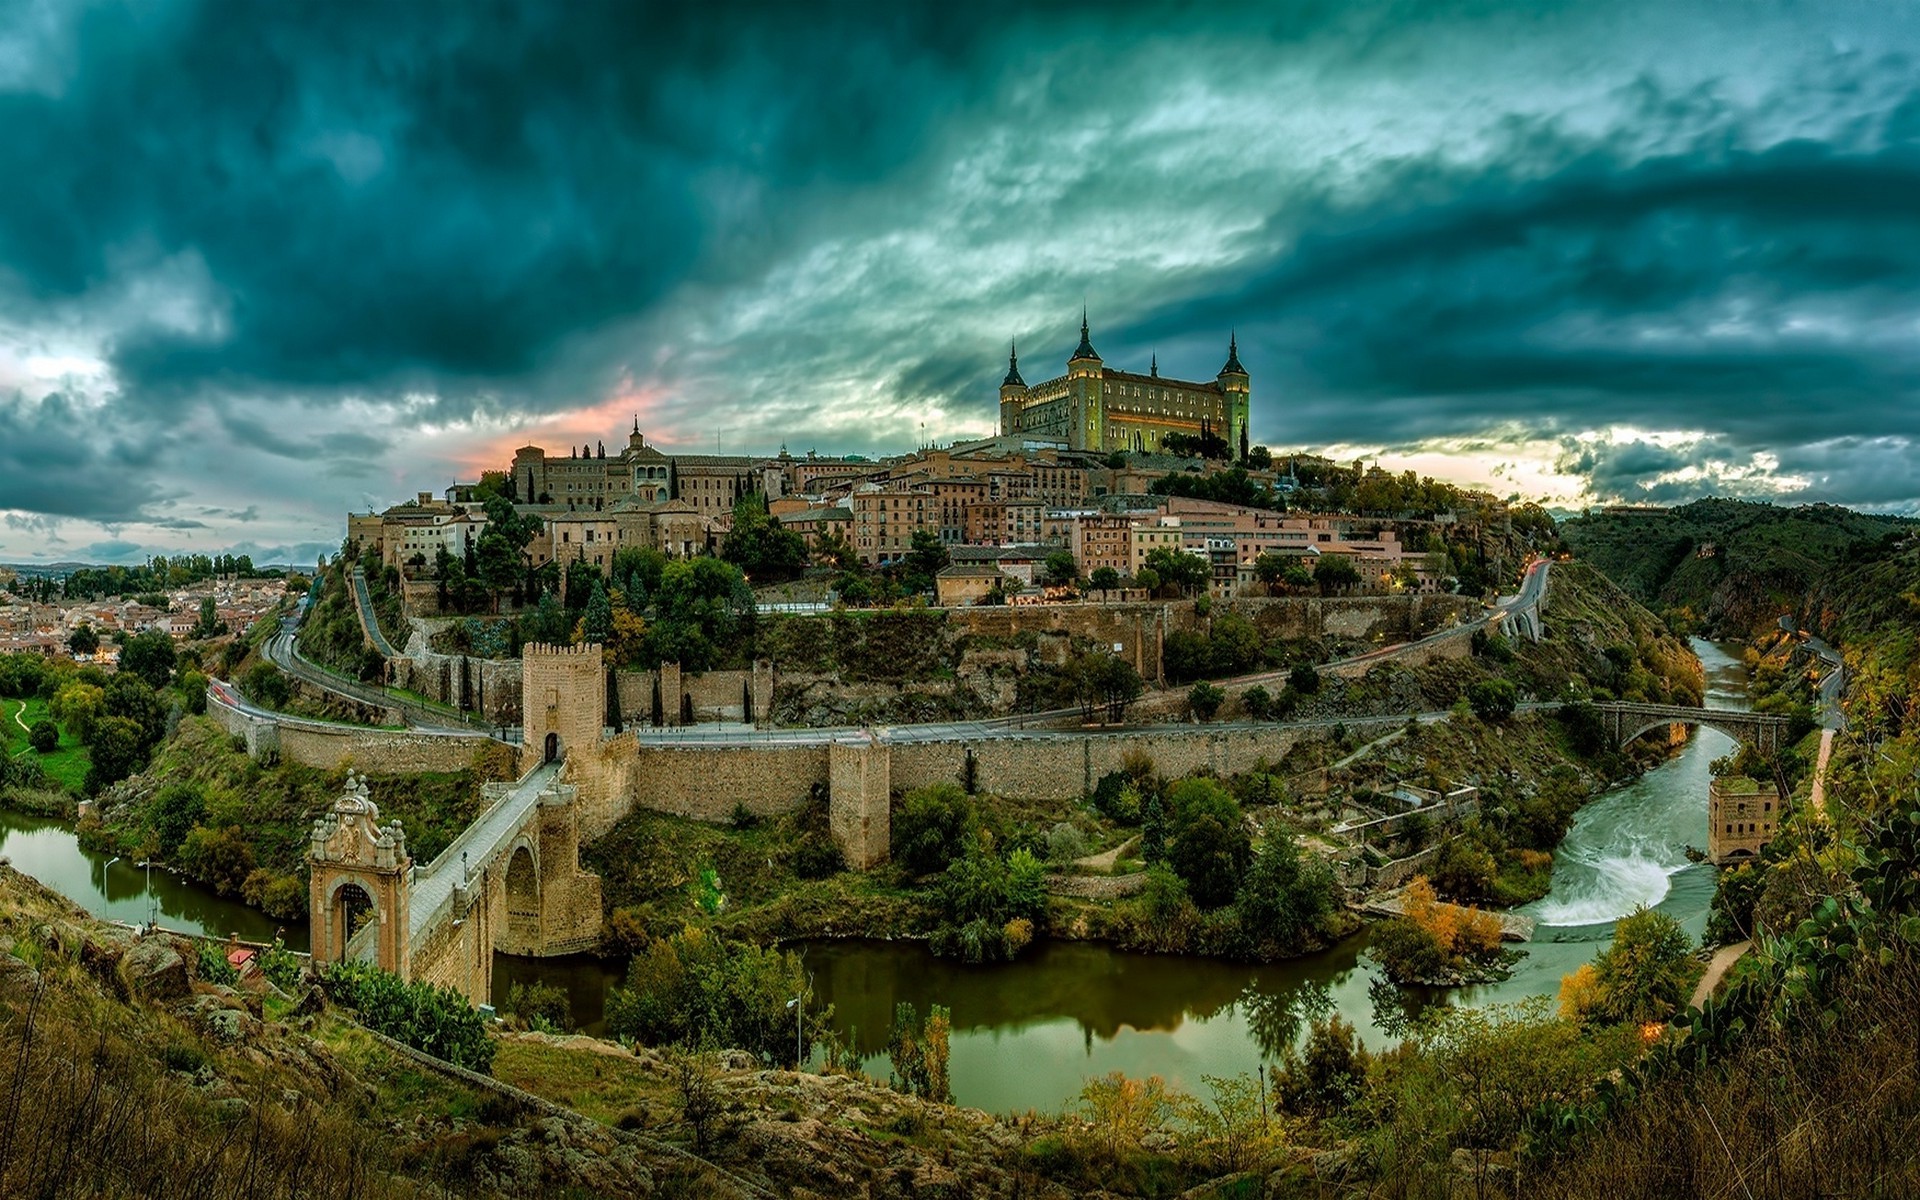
1647,973
926,558
1212,857
209,623
596,627
1493,699
78,706
117,749
129,696
1204,700
1060,568
83,641
1147,579
1303,678
1178,569
1335,573
1283,897
44,737
149,655
171,817
265,685
759,546
1104,579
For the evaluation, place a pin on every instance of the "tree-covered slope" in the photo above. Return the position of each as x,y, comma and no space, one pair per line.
1725,566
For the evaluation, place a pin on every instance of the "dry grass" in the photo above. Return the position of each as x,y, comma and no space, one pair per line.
1807,1111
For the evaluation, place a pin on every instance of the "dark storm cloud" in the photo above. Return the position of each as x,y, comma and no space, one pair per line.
308,240
430,195
57,459
1593,288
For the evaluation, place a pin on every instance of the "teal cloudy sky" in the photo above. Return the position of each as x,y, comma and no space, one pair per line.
261,263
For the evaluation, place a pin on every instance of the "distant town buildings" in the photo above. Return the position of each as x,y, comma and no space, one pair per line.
1072,468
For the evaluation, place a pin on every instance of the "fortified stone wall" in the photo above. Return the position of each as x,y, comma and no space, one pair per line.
494,683
705,783
375,751
739,696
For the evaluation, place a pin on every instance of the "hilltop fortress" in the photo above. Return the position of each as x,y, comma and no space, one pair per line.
1095,407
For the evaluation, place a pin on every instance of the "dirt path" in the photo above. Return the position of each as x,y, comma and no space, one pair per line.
1819,795
1722,962
1103,861
19,714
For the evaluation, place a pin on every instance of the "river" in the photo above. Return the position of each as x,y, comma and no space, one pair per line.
1027,1035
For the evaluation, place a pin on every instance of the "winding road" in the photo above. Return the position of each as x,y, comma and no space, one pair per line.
284,653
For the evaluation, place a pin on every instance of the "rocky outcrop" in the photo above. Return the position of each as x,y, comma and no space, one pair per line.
154,970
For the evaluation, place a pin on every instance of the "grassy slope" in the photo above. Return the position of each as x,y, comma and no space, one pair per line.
115,1098
66,766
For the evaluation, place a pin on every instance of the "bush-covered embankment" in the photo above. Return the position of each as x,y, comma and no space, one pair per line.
243,828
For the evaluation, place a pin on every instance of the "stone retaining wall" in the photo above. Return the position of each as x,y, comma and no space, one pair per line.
375,751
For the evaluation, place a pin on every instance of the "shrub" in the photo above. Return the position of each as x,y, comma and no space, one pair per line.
934,826
1117,799
1493,699
281,966
437,1020
214,967
815,856
220,858
1303,679
699,988
44,737
980,896
540,1006
1205,700
1065,843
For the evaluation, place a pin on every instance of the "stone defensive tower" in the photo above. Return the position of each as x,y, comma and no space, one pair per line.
564,693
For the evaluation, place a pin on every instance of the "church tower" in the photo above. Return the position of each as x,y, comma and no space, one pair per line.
1085,403
1238,387
1013,393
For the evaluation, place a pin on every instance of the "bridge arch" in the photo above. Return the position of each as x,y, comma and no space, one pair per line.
350,908
521,891
1626,721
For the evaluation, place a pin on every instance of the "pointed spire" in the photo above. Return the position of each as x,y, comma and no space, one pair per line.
1233,366
1013,367
636,422
1085,349
1155,370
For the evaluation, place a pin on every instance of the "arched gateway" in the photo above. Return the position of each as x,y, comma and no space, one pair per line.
359,891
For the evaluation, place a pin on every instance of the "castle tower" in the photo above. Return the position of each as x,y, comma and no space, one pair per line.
1013,393
1085,404
1238,387
563,695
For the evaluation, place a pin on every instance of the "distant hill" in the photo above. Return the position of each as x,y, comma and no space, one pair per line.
1728,566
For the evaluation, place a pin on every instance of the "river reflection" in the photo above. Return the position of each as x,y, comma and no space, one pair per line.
47,850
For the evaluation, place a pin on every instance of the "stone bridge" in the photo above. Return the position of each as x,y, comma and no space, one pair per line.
511,882
1625,722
